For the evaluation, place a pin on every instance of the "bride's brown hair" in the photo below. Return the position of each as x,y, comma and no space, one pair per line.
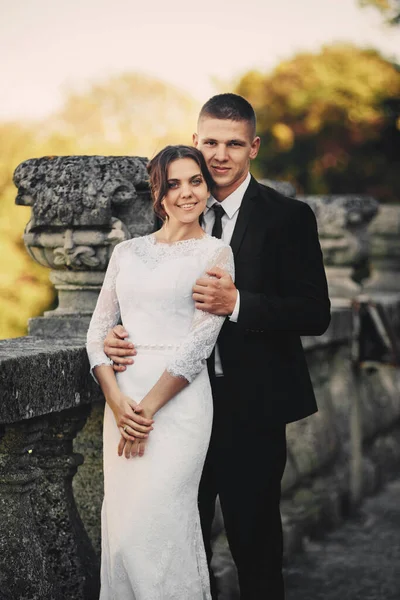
157,169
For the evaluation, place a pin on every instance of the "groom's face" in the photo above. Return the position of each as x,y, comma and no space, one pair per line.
228,146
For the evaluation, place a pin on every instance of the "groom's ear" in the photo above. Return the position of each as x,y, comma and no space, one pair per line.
195,140
255,146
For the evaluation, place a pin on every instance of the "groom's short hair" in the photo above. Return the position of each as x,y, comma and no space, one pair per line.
230,107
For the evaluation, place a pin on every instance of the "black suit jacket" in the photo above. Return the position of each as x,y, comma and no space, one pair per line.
283,295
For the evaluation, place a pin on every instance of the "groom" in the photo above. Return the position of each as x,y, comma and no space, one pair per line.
258,372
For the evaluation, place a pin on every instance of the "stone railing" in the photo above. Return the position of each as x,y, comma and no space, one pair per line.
51,410
46,398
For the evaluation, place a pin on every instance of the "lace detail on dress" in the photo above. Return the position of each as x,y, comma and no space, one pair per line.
191,357
153,253
105,316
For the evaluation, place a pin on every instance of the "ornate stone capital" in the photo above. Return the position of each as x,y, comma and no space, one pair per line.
82,206
79,191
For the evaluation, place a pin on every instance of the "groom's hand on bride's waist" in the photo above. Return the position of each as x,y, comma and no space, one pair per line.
118,348
215,294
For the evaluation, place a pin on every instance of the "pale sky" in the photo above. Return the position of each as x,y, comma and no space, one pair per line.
50,46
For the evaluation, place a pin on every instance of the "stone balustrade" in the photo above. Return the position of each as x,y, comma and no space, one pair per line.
46,397
51,410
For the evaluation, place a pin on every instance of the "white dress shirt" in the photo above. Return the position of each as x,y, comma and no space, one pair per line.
231,206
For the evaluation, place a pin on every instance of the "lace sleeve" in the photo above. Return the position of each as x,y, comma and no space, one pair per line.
191,356
105,316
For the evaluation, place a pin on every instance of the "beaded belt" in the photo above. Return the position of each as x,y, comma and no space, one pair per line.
162,348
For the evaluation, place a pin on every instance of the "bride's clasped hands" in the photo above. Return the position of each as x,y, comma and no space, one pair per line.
134,423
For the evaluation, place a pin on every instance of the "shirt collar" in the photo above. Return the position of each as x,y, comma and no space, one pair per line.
232,203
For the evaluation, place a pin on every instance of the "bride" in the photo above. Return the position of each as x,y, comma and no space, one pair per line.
152,547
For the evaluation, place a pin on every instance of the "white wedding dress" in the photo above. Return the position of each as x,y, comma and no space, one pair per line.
152,548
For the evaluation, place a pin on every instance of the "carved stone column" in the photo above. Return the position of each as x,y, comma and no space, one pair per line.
70,554
81,207
343,230
25,572
385,251
46,396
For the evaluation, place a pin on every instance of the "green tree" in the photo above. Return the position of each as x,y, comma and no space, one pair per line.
389,8
329,122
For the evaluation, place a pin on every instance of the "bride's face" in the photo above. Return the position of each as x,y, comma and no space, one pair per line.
187,191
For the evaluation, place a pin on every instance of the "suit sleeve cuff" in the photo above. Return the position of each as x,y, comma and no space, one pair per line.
235,314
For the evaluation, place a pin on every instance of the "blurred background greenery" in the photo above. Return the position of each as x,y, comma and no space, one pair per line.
329,122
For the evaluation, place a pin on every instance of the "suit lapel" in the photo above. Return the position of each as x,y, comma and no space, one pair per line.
245,211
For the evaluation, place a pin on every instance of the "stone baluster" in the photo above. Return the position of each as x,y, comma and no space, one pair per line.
70,554
24,567
343,231
385,251
81,207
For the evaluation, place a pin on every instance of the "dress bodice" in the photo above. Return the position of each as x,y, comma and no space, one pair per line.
148,286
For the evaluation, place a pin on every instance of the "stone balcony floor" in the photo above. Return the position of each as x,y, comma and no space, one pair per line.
358,561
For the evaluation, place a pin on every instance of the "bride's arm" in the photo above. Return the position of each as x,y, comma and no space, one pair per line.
105,315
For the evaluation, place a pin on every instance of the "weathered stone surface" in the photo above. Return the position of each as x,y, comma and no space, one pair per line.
24,567
343,230
384,232
38,377
59,326
47,395
283,187
81,207
88,482
313,442
379,396
70,554
79,191
342,225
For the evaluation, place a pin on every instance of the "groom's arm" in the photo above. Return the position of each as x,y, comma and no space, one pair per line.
302,305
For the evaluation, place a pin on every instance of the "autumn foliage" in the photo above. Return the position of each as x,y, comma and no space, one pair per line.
330,122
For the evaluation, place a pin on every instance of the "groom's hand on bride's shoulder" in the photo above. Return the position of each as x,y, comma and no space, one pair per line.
119,349
215,294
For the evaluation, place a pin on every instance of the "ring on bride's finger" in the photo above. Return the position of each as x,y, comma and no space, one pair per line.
125,428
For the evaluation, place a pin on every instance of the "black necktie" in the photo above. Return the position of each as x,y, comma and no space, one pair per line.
217,227
216,232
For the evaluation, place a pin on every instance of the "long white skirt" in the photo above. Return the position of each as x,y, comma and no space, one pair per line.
152,548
